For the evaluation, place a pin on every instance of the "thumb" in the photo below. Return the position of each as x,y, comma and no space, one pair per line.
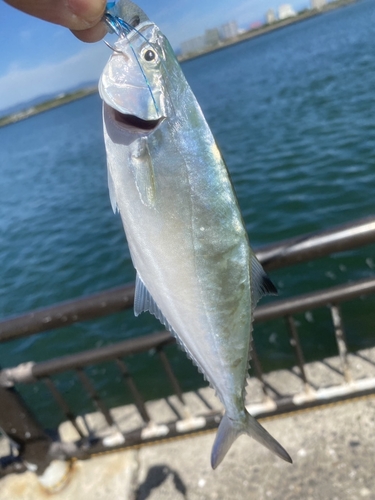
83,17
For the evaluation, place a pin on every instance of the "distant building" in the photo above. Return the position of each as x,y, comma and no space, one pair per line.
286,10
255,25
212,37
270,16
318,4
229,30
193,45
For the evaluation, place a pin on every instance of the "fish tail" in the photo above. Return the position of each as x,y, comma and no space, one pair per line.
225,437
229,430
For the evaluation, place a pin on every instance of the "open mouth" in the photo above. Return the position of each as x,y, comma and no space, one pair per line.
136,123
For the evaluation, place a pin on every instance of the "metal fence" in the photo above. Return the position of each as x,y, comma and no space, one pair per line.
35,446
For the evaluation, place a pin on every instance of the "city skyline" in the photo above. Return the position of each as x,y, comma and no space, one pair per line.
44,58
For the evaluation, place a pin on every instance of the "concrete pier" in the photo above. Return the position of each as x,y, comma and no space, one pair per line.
332,447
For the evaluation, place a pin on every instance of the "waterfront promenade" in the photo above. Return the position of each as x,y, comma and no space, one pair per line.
267,28
332,447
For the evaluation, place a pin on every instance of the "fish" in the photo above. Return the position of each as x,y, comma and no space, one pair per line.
195,269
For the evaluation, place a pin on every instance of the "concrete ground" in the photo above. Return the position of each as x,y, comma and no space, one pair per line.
333,449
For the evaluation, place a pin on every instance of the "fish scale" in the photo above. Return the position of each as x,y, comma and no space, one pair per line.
196,271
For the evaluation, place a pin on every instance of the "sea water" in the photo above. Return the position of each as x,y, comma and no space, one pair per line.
293,112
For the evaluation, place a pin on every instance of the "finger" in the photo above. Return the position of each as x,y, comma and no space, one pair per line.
76,15
93,34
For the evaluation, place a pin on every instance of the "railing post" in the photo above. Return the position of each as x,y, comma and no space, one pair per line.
341,343
258,371
20,425
63,405
295,343
89,387
171,376
139,402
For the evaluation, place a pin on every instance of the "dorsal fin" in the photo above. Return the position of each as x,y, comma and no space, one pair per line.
260,282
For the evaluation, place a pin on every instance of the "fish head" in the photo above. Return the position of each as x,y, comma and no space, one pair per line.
132,82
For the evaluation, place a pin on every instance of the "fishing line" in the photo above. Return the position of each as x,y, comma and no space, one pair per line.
154,47
122,29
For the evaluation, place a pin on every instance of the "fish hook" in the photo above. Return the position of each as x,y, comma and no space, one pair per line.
112,24
112,47
121,28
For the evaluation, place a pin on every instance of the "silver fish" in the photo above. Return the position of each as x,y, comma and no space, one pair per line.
195,269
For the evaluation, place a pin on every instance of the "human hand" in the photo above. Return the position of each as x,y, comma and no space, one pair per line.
82,17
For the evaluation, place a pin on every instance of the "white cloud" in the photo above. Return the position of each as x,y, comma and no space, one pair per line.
19,85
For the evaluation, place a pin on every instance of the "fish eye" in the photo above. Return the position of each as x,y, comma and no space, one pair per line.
149,55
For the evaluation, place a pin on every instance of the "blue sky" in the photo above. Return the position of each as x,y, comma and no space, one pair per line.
40,58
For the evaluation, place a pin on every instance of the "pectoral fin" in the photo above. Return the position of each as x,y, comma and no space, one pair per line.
112,192
143,172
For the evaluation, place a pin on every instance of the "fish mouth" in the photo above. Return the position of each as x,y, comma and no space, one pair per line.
135,123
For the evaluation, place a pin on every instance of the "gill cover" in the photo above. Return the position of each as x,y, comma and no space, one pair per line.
131,82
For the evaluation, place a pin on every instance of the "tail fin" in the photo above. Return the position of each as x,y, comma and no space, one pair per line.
229,431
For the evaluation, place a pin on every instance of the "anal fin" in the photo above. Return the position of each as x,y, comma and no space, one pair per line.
143,302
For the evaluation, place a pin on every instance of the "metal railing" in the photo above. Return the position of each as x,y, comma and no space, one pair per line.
35,446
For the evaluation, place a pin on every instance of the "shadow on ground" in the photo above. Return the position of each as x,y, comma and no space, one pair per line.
156,476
